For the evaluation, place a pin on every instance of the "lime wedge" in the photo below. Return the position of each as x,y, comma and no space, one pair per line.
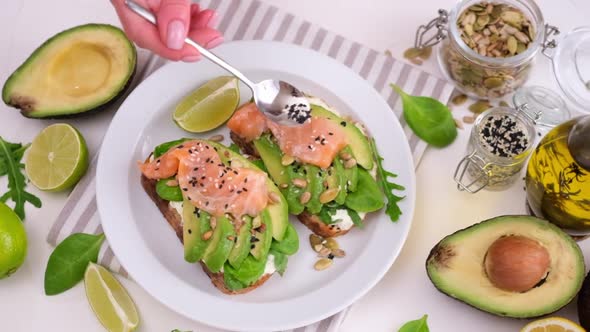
109,300
57,158
209,106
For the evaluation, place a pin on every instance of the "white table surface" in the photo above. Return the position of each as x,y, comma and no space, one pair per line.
404,293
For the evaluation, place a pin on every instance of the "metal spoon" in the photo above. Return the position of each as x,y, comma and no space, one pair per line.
278,100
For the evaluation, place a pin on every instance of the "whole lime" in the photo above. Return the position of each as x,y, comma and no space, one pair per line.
13,241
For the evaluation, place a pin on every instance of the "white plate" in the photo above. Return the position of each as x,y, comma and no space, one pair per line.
149,250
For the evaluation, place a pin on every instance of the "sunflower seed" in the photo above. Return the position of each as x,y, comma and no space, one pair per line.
305,197
332,244
207,235
479,106
322,264
459,99
216,138
287,160
338,253
328,195
468,119
299,183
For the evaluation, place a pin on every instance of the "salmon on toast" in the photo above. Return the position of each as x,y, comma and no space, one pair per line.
230,216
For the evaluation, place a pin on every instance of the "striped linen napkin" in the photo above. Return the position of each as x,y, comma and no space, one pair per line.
252,19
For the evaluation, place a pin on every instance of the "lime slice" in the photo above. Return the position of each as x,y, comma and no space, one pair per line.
57,158
109,300
209,106
13,241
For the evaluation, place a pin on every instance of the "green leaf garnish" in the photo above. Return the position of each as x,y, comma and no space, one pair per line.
356,219
68,261
234,147
418,325
392,209
11,154
430,119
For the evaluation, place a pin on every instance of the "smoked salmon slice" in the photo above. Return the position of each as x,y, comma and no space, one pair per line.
317,142
208,183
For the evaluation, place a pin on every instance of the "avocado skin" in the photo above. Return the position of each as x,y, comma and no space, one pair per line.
584,303
105,105
436,249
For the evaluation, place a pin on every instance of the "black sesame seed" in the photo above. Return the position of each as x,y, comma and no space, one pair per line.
207,203
343,123
331,133
180,146
185,189
190,231
244,189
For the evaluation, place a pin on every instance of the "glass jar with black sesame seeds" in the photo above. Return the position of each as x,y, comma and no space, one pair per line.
500,142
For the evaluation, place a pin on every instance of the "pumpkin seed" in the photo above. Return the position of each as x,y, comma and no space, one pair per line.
332,244
458,123
426,53
287,160
483,20
468,119
338,253
412,53
479,106
324,252
512,44
216,138
172,183
520,48
322,264
493,82
512,17
299,183
207,235
459,99
274,197
315,240
256,222
284,185
350,163
329,195
504,104
305,197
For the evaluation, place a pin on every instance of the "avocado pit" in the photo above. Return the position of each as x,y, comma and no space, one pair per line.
516,263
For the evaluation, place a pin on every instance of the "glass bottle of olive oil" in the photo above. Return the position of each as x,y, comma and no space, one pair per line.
558,177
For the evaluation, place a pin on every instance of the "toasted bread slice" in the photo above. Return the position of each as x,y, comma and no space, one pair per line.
175,220
313,222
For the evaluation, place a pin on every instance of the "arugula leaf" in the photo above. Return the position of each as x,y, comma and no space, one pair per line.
392,209
418,325
356,219
68,261
430,119
164,147
326,214
280,261
18,151
16,180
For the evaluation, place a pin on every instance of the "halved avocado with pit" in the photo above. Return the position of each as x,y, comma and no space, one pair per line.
512,266
81,69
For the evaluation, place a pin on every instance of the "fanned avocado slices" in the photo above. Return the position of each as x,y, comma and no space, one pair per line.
81,69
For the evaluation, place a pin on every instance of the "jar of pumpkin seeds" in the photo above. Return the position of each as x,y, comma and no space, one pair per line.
487,48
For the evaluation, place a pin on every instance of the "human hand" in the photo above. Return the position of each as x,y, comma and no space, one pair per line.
176,19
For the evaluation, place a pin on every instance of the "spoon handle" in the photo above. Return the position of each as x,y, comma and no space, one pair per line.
149,16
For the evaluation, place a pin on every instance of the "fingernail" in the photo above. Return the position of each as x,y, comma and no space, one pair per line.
175,37
215,42
191,58
213,20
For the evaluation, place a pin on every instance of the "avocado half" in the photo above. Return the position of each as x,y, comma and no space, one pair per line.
81,69
456,267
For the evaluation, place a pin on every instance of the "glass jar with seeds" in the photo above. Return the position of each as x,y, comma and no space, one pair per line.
500,143
487,48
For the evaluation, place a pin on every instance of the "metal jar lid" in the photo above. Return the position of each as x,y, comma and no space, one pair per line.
543,106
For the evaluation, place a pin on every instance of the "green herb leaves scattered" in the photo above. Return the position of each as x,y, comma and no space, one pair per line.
356,219
68,261
429,118
392,209
418,325
10,157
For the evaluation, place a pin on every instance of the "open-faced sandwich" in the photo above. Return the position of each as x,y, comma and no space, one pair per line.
230,216
326,169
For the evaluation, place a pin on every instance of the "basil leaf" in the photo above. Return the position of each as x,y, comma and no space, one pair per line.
290,243
68,261
169,193
356,219
429,118
418,325
368,196
164,147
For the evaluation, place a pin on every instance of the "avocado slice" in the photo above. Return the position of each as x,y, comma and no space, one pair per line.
263,235
290,243
195,224
279,211
315,179
169,193
358,142
271,155
342,179
292,192
81,69
242,246
368,197
458,266
351,174
220,245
